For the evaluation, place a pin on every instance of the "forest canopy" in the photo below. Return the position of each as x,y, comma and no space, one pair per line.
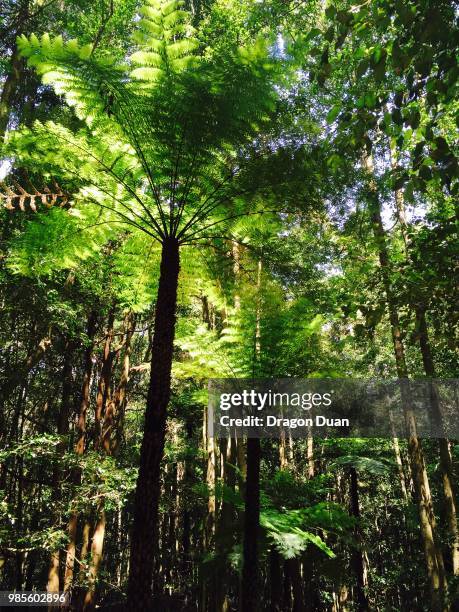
220,189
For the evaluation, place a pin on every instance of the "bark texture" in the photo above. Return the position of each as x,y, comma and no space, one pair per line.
144,539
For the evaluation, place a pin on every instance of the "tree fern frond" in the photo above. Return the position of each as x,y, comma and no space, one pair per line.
105,170
165,40
58,240
74,73
21,198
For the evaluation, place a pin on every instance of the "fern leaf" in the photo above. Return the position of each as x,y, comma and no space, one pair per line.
165,40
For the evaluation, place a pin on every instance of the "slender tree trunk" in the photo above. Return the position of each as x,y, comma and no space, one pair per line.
96,557
310,454
446,467
433,554
9,91
250,595
103,389
211,480
357,557
225,531
283,461
103,400
398,458
62,430
251,583
79,594
79,448
144,537
20,519
112,410
71,549
114,416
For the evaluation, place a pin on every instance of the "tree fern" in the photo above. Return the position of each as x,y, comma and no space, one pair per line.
186,131
164,156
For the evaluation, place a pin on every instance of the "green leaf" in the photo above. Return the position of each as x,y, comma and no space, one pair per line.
333,113
364,464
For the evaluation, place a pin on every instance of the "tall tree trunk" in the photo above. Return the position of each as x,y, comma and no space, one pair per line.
71,550
9,91
398,461
250,596
96,556
211,482
432,551
79,594
225,530
283,461
79,447
250,569
62,430
114,415
107,408
446,466
103,389
144,537
357,558
310,454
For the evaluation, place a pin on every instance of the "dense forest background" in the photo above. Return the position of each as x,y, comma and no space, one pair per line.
217,189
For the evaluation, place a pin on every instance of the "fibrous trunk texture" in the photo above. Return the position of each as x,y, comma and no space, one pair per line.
144,537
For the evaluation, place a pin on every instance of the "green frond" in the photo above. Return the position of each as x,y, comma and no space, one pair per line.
73,72
181,49
147,73
165,40
59,240
148,59
136,266
100,169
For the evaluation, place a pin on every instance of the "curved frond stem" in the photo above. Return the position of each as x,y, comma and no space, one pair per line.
138,148
174,179
190,179
127,221
246,214
121,181
202,209
213,204
115,199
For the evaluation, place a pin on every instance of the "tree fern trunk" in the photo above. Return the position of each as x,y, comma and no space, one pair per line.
145,526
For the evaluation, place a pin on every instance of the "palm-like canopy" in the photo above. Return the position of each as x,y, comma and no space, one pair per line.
169,137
